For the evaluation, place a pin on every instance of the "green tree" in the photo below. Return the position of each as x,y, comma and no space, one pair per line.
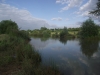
43,28
97,10
64,33
46,33
6,26
89,28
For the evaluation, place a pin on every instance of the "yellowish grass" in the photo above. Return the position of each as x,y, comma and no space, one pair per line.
3,36
73,32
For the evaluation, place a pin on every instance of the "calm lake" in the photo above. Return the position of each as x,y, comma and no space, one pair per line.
70,56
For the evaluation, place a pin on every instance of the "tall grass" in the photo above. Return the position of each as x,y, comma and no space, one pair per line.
16,50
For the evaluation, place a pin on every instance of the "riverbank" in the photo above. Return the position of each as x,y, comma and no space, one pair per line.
17,57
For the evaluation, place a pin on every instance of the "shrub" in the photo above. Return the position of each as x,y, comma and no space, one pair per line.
46,33
89,29
21,34
6,26
55,35
64,33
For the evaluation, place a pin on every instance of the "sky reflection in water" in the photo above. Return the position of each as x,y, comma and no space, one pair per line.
71,56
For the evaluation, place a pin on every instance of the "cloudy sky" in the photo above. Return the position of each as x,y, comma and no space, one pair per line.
33,14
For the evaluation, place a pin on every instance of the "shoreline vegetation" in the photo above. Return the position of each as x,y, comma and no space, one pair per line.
54,33
87,30
17,56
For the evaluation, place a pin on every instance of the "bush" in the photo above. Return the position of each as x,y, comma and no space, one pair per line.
6,26
20,34
11,28
64,33
14,48
89,29
46,33
55,35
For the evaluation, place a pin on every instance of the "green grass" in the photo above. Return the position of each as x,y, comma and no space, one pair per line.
41,70
17,50
73,32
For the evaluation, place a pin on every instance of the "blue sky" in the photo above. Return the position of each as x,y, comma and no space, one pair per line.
33,14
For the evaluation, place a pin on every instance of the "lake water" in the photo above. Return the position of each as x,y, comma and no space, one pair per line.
70,56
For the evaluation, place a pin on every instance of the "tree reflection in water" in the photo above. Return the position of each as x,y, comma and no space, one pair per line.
44,39
63,40
89,46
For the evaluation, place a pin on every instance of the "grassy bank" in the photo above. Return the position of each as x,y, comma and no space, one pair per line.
17,57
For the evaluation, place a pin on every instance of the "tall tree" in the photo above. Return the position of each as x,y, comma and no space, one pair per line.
89,28
97,10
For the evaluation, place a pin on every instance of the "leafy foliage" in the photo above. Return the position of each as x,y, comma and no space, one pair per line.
6,26
46,33
11,28
43,28
16,51
97,10
64,33
89,29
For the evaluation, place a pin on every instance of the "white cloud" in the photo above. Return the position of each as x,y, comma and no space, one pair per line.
57,19
62,1
22,17
90,5
86,8
69,4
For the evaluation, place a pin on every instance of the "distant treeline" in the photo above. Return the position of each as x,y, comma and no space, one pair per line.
87,29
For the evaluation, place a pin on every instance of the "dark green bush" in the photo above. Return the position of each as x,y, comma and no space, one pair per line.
46,33
6,26
89,29
15,49
64,33
21,34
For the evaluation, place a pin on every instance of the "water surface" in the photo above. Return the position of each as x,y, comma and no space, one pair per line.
71,56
